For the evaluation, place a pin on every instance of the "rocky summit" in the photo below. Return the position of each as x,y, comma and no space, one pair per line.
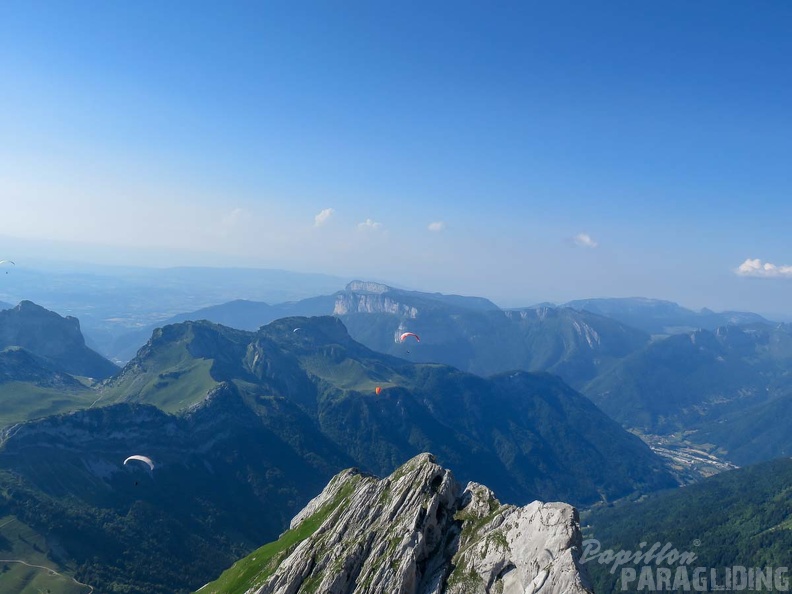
417,531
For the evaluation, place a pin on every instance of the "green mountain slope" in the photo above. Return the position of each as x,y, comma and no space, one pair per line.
258,565
749,436
689,379
172,371
45,367
30,388
26,565
520,432
737,518
222,483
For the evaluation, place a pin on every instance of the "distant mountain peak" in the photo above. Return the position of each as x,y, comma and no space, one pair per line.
28,308
52,337
26,305
418,531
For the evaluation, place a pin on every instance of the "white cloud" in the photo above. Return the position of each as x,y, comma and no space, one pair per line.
763,270
230,221
369,225
323,216
585,240
437,226
232,217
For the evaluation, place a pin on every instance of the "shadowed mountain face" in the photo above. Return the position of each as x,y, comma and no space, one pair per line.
691,379
52,338
30,388
749,436
42,357
531,436
222,483
20,365
573,345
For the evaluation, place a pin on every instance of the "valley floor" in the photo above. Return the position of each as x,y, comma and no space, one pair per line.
690,461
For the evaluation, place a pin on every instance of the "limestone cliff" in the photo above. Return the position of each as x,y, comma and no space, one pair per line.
417,531
52,338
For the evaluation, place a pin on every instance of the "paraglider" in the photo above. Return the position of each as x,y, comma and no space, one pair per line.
404,336
378,390
7,262
295,330
145,459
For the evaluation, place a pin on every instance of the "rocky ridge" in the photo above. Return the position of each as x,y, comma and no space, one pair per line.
417,531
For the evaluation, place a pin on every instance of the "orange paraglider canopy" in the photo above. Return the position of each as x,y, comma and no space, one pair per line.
378,390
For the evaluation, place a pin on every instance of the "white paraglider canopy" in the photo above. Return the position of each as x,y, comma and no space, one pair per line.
145,459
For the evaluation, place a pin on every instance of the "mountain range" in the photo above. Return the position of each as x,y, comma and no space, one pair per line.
470,333
520,432
244,427
657,316
714,383
251,423
697,376
650,316
114,300
729,388
653,385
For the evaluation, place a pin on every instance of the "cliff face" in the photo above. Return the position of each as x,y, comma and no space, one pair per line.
56,339
352,303
417,531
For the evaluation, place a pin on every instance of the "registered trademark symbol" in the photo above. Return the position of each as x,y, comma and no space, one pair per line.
696,543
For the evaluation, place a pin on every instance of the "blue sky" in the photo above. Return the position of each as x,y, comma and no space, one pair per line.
564,149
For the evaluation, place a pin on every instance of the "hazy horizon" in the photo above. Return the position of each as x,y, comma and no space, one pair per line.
122,262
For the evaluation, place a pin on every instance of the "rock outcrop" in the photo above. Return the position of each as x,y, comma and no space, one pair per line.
417,531
53,338
372,303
